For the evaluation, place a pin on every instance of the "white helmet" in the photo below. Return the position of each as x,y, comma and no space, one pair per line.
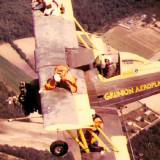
57,77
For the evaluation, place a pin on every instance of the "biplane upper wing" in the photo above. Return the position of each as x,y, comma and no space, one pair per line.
61,110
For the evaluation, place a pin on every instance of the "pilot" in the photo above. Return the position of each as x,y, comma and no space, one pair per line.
103,63
63,78
100,63
110,68
106,70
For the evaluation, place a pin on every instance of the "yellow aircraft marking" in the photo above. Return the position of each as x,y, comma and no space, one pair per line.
131,90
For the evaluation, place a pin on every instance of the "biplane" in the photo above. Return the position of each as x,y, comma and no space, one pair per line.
130,77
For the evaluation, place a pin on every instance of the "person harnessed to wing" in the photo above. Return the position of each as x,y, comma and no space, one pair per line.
62,77
48,7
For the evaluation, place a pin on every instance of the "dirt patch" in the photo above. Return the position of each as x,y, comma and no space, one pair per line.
144,42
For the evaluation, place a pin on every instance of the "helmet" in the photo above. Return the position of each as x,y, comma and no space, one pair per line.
57,77
61,70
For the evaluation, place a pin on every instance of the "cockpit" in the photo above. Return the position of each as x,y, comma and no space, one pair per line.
108,65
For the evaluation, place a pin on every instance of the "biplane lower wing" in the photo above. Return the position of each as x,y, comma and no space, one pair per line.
122,91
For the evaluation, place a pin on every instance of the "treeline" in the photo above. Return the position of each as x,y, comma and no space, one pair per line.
16,16
26,153
15,20
99,13
146,145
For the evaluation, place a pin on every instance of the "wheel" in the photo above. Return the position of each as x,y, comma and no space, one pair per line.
59,148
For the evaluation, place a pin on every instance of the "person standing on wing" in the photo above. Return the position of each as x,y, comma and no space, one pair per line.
38,5
49,7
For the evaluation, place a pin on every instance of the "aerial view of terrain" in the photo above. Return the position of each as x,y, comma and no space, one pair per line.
131,26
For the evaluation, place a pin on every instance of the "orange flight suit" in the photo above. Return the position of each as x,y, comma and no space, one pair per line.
66,77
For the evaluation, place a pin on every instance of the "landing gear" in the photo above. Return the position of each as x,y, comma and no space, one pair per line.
59,148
